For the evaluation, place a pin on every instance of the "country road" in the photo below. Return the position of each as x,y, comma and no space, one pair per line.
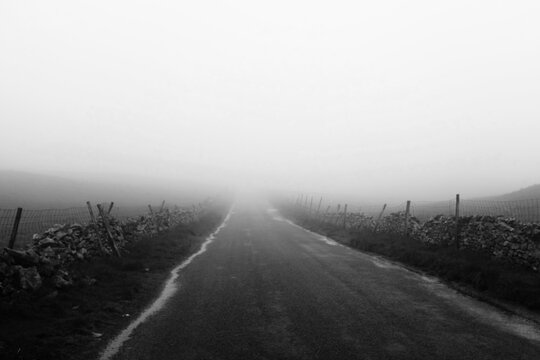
267,289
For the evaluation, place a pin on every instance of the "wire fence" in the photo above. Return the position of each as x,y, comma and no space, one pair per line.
526,210
37,221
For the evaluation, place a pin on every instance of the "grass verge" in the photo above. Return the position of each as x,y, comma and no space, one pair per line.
76,323
489,277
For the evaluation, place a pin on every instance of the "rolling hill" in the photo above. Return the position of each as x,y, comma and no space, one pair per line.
39,191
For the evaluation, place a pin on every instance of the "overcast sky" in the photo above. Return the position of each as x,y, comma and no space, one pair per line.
412,99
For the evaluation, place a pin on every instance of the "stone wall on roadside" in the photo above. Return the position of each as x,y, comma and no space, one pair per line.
47,258
503,238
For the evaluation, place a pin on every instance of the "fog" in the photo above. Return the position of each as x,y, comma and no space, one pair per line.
380,99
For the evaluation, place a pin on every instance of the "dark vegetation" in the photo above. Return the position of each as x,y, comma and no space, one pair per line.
76,323
490,277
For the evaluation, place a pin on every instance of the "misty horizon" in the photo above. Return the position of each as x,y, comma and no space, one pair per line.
388,101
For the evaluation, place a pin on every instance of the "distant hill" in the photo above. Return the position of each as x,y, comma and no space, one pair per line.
38,191
530,192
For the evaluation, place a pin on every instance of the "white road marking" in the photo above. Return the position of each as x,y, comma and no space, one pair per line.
168,291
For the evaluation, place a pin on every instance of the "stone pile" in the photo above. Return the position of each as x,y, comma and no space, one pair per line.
439,230
48,258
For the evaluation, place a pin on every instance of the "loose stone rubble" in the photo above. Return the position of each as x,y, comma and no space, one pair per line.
47,259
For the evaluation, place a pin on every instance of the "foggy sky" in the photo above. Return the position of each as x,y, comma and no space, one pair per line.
412,99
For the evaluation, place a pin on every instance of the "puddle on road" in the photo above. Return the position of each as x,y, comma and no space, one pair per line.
168,291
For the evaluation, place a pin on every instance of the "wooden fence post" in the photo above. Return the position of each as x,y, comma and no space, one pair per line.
407,214
457,221
345,217
92,217
379,218
15,228
162,206
110,236
110,207
150,208
337,213
93,221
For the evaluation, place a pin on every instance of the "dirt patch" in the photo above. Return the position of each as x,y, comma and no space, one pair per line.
77,322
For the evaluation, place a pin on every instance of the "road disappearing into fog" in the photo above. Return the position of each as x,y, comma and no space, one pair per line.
268,289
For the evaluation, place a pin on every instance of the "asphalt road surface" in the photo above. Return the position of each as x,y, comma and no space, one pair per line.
267,289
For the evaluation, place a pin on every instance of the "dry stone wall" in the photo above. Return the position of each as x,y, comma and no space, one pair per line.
504,238
49,256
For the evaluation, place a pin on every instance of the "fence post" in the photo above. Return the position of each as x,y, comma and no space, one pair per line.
407,214
310,205
15,228
379,218
108,230
337,213
457,221
110,207
150,208
345,217
92,217
93,221
162,206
